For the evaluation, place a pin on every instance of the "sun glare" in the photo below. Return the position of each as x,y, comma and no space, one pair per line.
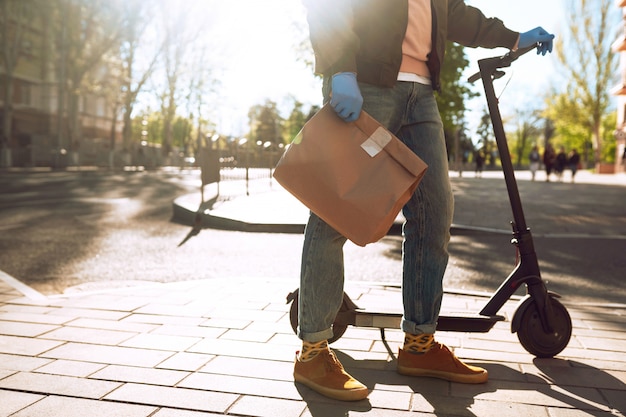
257,56
254,53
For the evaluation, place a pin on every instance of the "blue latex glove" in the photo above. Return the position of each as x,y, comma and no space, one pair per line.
346,97
538,36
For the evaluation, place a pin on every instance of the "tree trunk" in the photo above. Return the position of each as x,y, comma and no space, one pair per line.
597,143
7,121
127,129
73,120
112,136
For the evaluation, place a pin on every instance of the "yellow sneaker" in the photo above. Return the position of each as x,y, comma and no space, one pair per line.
325,375
440,362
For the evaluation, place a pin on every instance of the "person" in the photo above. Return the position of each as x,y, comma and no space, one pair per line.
534,159
384,57
479,160
464,161
548,160
573,161
560,162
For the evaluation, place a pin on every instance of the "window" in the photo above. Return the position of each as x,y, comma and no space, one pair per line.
101,107
25,96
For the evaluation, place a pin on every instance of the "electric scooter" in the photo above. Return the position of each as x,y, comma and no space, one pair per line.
543,325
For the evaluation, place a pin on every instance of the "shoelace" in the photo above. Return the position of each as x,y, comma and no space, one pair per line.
333,363
456,361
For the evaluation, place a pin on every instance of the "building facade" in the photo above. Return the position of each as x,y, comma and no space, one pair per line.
35,102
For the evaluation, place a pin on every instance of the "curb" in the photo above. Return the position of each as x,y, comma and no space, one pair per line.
187,214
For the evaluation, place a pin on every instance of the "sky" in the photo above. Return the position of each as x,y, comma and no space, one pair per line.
259,62
527,80
258,59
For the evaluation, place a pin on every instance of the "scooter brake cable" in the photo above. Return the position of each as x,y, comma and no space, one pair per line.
505,85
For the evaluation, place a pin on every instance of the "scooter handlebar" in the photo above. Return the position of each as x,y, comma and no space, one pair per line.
499,62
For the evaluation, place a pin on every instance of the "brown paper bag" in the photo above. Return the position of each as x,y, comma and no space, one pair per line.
355,176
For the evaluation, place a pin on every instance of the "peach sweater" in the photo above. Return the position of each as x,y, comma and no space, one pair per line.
418,39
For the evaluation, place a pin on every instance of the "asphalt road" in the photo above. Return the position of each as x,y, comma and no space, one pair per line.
78,231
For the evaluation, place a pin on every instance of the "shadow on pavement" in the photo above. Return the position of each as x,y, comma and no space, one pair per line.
557,383
433,395
579,383
54,221
320,406
580,269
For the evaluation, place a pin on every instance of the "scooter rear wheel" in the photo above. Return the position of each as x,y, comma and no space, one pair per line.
338,329
532,335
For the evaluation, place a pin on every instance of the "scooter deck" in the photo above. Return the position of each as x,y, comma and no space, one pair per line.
461,322
467,323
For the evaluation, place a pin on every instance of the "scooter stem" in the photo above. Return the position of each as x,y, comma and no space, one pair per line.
487,68
527,271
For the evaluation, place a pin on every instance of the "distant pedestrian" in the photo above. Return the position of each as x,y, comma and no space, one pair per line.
535,160
548,160
560,162
479,160
464,160
573,161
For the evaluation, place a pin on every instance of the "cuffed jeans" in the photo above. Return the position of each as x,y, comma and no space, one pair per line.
409,110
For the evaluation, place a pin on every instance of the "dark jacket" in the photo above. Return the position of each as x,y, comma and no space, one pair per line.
365,36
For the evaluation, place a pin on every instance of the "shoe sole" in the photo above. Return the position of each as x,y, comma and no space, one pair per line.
448,376
342,395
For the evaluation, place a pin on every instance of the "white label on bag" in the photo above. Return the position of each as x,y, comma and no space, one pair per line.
376,142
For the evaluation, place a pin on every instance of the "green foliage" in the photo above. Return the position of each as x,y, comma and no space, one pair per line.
451,99
484,131
608,137
266,123
526,135
454,90
294,122
573,130
148,127
181,132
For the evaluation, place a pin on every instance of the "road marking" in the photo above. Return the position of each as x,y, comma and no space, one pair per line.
21,287
457,229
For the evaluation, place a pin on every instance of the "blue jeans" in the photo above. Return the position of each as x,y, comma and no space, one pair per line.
409,110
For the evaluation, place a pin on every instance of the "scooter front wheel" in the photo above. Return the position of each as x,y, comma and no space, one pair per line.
532,335
338,329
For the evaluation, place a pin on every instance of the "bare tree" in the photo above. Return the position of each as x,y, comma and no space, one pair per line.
589,62
173,52
201,85
137,19
180,36
90,30
527,129
113,92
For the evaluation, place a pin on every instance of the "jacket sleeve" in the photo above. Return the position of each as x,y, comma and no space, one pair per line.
334,42
468,26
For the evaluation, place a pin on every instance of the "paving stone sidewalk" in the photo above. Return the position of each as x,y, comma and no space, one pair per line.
225,347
